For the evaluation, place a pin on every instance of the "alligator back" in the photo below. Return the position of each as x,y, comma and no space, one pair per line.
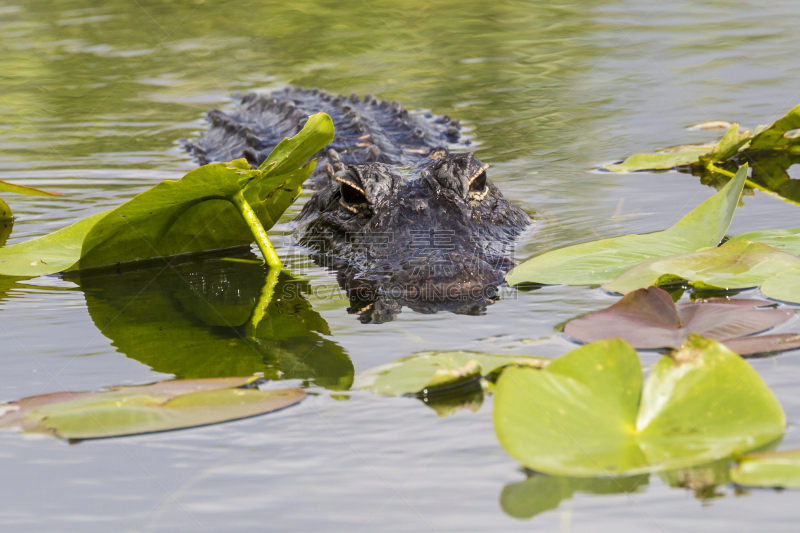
367,130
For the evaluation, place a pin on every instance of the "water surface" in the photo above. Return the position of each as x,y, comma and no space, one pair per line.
93,100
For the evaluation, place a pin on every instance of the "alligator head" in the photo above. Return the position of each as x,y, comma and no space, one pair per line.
433,235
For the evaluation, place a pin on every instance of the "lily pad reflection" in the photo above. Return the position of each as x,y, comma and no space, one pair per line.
211,319
540,492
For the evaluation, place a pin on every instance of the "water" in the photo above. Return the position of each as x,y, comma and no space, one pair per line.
92,102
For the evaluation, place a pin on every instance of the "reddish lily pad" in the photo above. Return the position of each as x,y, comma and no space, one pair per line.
648,319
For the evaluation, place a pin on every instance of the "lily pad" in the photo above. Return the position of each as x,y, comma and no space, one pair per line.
24,189
196,213
772,469
775,137
764,344
162,406
5,211
648,319
738,265
784,240
784,286
5,228
430,371
601,261
677,157
588,413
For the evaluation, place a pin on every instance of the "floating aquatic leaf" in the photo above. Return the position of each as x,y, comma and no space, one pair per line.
784,240
678,157
779,136
196,213
774,136
784,286
5,228
429,371
771,469
737,265
588,414
5,214
5,211
24,189
601,261
162,406
649,319
727,147
764,344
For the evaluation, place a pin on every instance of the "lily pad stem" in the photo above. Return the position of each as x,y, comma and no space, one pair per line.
712,168
259,233
264,299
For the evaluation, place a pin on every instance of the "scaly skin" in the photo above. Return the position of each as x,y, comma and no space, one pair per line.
402,220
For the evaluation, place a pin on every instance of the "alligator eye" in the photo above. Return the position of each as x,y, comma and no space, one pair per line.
477,186
352,197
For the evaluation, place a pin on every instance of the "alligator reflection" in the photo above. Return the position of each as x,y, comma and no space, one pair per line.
540,492
214,319
769,173
374,305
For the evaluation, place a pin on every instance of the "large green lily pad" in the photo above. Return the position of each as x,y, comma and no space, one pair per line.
738,265
427,372
192,214
162,406
601,261
588,413
771,469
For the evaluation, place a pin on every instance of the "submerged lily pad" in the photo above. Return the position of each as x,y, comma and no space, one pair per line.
588,413
649,319
193,214
601,261
431,371
771,469
738,265
162,406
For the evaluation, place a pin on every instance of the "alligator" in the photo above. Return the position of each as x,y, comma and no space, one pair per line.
401,219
